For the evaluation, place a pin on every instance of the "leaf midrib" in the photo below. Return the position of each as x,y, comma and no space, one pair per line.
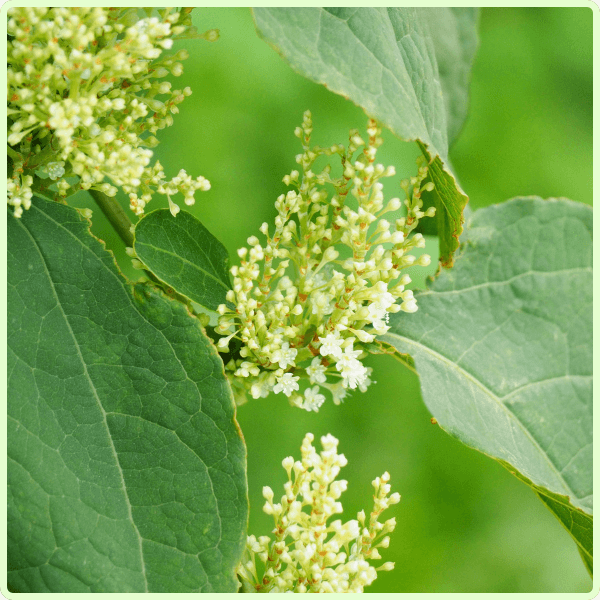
486,284
185,260
134,307
495,398
127,296
97,398
388,69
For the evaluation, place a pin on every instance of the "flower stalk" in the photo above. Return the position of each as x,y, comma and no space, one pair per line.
115,214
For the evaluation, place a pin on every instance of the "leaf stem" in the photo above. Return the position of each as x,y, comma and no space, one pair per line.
13,154
122,225
115,214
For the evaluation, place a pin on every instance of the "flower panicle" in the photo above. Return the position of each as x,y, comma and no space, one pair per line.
86,96
309,552
309,299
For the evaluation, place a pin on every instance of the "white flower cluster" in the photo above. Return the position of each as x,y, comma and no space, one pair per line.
309,554
307,303
85,98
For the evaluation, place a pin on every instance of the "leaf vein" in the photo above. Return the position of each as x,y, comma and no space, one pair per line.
96,397
504,282
490,394
186,261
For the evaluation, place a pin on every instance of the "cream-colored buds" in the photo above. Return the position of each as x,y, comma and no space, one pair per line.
96,101
316,554
326,278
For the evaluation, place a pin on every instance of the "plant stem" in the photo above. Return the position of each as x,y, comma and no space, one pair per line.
115,214
13,154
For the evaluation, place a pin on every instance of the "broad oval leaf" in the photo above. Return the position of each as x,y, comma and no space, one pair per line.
406,67
503,348
126,467
454,34
182,253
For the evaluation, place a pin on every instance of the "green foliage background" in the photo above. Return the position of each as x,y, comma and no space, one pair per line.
464,523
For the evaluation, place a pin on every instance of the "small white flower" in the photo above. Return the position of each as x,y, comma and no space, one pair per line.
331,556
246,369
312,399
349,350
94,135
322,303
354,373
316,371
363,336
285,356
409,306
174,208
261,388
331,344
338,391
285,312
287,384
380,327
367,381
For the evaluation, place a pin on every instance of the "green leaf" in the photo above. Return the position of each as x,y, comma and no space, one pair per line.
182,253
586,557
450,205
578,523
503,347
406,67
126,466
454,34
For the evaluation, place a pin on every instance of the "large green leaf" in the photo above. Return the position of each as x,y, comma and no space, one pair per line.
182,253
503,348
406,67
126,467
577,522
454,34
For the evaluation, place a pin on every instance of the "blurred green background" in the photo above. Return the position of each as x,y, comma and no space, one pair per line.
464,523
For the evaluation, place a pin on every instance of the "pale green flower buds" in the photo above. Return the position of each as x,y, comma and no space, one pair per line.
299,319
82,108
309,553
